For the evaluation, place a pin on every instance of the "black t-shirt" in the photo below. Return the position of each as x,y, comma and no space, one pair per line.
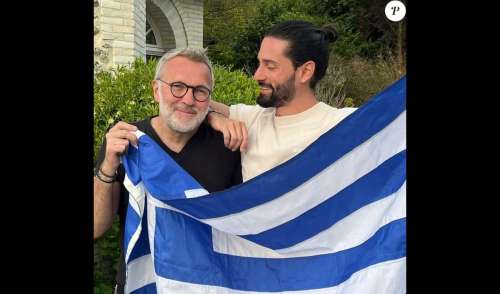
204,157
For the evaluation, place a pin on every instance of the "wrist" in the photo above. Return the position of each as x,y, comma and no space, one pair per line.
106,172
104,178
108,169
210,114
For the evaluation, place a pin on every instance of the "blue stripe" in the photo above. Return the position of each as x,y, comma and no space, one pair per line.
131,224
186,255
131,165
347,135
383,181
148,289
141,247
162,176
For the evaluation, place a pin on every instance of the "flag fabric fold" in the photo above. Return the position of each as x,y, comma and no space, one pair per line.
330,220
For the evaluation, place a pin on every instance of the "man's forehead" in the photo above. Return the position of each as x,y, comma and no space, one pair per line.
182,62
183,68
272,49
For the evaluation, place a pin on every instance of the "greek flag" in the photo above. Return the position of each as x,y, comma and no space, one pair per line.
330,220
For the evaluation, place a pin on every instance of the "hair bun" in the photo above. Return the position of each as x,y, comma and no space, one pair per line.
330,32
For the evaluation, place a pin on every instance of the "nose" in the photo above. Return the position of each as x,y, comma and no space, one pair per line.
188,99
258,75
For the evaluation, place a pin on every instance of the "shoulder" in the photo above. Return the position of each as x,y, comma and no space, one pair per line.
237,110
249,113
335,112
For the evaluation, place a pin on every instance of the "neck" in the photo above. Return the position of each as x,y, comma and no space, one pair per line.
302,101
173,139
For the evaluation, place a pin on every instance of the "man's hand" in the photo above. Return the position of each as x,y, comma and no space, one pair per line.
234,132
117,140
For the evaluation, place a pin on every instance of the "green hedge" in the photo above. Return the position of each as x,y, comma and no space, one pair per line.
126,94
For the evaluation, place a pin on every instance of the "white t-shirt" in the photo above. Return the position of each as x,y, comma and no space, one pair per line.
273,140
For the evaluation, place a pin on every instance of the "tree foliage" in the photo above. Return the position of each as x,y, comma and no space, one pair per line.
233,30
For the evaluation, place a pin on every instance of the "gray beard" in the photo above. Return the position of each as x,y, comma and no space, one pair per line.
167,114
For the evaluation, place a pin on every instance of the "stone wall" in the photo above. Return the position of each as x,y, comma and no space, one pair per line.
120,26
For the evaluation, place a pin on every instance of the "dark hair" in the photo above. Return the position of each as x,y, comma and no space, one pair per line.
306,43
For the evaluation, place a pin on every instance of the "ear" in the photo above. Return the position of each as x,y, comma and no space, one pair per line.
306,71
156,87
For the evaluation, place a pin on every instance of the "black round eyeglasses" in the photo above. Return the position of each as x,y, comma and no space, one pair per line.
179,90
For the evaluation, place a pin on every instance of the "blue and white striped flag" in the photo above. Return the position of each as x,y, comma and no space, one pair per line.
330,220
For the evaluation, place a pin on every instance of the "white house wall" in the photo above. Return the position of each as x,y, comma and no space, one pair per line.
120,26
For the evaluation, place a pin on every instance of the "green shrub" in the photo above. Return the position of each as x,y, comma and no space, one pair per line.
122,94
368,77
233,86
349,82
126,94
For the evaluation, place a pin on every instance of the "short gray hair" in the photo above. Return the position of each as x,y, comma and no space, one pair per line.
193,54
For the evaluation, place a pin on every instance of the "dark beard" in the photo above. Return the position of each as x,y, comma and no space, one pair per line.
279,96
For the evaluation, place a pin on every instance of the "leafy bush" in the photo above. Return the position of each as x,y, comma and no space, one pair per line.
122,94
368,77
349,82
126,94
234,86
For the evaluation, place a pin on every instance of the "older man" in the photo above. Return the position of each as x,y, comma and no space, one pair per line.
182,86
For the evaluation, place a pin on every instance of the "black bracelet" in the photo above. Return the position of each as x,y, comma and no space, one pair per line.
104,174
98,175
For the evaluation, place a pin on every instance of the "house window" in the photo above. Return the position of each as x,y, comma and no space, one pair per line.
153,47
150,35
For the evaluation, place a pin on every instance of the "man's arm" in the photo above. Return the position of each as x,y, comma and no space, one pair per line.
234,132
106,201
106,190
220,108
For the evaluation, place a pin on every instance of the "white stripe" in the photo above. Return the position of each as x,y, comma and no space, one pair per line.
142,268
356,228
195,193
137,202
386,277
142,273
136,194
138,134
158,203
349,232
353,165
151,227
